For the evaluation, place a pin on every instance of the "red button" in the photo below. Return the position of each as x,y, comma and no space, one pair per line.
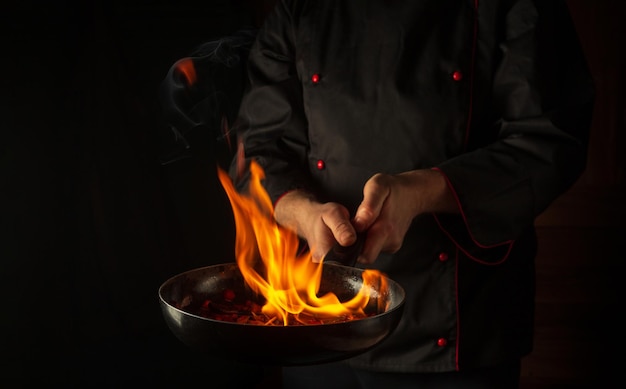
443,256
315,78
457,76
441,342
320,164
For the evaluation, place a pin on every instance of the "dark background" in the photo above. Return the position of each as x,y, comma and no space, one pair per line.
91,223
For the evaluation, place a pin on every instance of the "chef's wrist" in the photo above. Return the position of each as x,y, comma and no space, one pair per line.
430,192
294,206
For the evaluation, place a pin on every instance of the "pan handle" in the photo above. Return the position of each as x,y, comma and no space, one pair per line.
345,255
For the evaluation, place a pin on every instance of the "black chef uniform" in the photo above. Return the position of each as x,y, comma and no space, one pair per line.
493,93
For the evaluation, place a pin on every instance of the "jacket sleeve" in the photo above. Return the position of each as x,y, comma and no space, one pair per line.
542,101
271,124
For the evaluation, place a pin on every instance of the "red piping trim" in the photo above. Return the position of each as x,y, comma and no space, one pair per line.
458,204
456,197
467,130
472,70
506,255
281,196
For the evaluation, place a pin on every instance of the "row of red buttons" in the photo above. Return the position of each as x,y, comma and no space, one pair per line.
443,256
315,78
456,76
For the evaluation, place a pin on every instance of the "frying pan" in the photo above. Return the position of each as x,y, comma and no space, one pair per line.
276,344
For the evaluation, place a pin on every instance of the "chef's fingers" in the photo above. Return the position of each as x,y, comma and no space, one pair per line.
375,192
317,254
337,219
321,241
374,244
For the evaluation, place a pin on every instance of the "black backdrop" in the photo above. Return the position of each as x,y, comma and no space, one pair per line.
91,222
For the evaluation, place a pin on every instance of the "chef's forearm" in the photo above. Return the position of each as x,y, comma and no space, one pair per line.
293,209
429,192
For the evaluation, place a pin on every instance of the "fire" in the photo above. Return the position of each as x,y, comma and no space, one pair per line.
186,67
288,280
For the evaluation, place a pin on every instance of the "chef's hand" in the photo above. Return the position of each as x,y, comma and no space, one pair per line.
320,224
391,202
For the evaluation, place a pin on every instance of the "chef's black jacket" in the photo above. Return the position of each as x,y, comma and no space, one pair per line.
493,93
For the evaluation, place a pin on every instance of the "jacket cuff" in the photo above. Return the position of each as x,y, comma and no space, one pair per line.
457,228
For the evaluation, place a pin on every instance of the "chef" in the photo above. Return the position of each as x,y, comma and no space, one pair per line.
439,129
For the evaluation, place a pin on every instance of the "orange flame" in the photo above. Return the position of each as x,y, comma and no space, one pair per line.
187,68
291,281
